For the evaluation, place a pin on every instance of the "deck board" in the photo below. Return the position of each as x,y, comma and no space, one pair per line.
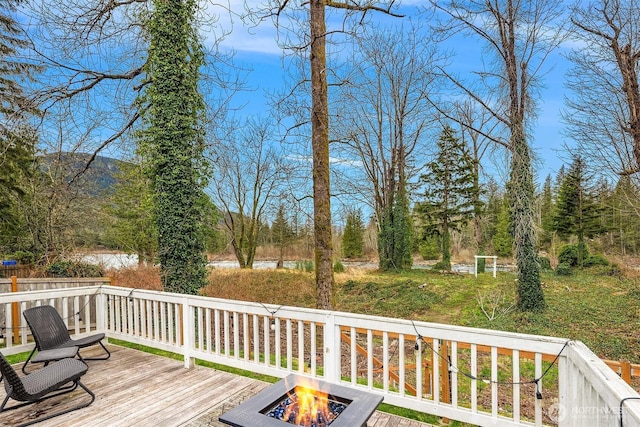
137,388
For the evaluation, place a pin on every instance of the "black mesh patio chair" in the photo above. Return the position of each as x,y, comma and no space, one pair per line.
53,380
50,333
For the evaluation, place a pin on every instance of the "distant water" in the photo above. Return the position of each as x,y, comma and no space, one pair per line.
117,261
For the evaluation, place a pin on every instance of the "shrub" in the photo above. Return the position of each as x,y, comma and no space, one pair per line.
545,263
442,266
305,265
429,248
564,269
594,260
24,257
338,267
73,269
568,255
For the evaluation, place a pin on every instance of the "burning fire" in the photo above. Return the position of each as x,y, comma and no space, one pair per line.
312,407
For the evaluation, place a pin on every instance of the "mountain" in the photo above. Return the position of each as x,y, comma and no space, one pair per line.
96,179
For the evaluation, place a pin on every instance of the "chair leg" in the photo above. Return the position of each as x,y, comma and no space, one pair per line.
74,408
108,354
24,367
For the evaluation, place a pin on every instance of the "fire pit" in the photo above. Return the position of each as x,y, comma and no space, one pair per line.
301,401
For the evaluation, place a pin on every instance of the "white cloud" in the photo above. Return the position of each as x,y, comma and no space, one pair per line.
226,19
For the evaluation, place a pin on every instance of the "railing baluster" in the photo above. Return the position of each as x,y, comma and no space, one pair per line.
401,364
386,361
256,338
217,328
301,358
313,352
538,373
199,319
369,359
227,338
353,356
267,340
474,381
277,343
207,322
236,335
435,368
454,374
289,345
419,371
246,340
515,378
494,381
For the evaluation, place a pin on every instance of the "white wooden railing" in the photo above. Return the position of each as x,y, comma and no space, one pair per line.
478,376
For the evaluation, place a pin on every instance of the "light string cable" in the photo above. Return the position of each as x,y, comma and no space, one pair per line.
272,313
78,313
622,404
536,380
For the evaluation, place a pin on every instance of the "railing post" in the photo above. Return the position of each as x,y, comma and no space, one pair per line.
331,345
101,313
15,312
563,389
187,325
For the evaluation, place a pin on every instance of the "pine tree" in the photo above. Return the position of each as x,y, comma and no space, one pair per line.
546,213
503,237
17,140
133,227
450,190
576,211
353,238
281,234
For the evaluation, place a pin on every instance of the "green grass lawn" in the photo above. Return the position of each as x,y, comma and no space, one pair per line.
601,310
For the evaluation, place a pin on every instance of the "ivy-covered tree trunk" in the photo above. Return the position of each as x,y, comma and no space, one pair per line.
172,142
521,197
394,239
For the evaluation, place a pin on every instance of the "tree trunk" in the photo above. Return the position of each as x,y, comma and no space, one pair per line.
320,146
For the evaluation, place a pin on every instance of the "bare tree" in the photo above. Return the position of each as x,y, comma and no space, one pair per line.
249,172
384,115
519,36
603,115
314,41
94,53
474,122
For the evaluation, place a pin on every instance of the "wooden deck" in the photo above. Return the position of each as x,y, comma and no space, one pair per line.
134,388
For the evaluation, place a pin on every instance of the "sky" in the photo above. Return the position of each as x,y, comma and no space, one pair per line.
256,47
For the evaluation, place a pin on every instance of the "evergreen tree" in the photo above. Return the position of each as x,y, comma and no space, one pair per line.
172,142
546,213
503,237
281,234
353,238
133,227
17,140
624,222
450,190
576,210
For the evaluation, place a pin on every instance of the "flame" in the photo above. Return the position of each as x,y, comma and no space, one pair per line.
311,407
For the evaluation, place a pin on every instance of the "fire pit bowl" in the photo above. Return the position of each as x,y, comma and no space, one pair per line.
278,405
